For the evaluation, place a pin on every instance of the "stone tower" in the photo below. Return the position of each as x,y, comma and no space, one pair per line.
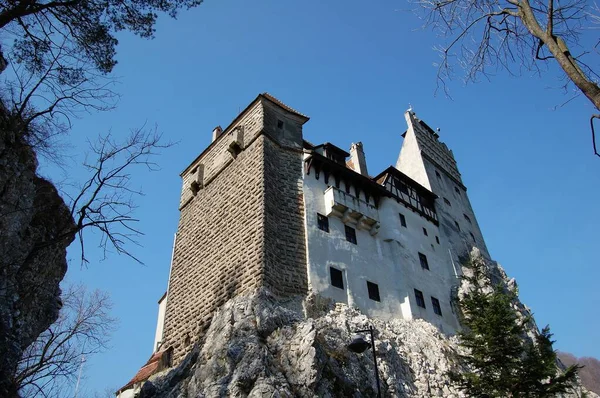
241,220
428,161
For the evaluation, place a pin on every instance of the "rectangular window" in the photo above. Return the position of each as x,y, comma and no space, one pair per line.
423,259
279,124
437,173
457,190
457,226
323,222
437,240
373,289
467,218
446,201
402,220
337,278
350,234
420,298
435,303
472,236
425,231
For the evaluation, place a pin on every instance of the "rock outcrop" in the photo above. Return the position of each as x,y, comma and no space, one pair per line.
259,346
33,221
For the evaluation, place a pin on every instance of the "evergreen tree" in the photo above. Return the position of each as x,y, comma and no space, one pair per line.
502,360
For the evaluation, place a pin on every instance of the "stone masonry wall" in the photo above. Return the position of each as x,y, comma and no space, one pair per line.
244,228
219,248
217,157
285,250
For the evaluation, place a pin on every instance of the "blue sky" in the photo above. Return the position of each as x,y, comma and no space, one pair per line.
354,68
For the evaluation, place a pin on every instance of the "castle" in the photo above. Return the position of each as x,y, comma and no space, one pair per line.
262,207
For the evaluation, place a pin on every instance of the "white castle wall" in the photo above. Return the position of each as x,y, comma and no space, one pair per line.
389,259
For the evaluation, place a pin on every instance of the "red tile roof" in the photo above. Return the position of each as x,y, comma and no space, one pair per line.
151,367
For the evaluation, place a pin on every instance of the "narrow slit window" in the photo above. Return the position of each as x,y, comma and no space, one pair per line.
437,240
423,260
438,175
447,202
435,303
373,289
467,218
457,225
279,124
420,299
402,220
472,236
337,278
350,234
425,231
323,222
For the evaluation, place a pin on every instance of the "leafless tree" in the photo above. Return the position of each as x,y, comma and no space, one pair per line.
43,102
483,36
50,366
106,200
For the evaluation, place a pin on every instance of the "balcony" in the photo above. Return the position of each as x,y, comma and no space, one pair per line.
352,210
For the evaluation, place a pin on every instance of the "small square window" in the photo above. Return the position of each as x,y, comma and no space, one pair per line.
323,222
373,289
425,231
457,226
402,220
435,303
467,218
423,260
472,236
279,124
446,201
337,278
437,240
350,234
420,298
437,173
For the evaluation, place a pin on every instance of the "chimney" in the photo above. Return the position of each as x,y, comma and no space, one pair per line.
357,159
216,133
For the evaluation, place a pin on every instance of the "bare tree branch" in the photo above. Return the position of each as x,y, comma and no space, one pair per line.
83,328
516,35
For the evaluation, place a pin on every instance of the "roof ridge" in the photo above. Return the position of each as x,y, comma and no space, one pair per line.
284,106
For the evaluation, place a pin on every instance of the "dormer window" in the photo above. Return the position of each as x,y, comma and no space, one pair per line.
334,153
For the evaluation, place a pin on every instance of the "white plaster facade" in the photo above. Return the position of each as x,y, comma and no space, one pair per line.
386,252
160,323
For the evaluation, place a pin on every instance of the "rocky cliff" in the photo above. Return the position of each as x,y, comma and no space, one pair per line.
258,346
33,221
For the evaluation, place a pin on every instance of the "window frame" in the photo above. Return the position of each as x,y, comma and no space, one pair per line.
341,277
437,307
402,220
457,225
420,299
373,290
323,222
352,231
424,262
